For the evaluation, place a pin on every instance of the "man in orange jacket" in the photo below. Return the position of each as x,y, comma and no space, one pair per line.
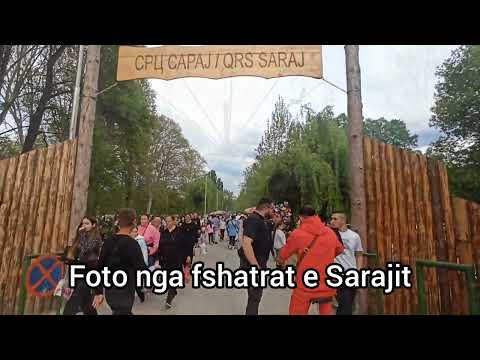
320,246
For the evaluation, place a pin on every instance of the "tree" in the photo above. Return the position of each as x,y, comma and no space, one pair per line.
311,168
8,148
171,159
393,132
140,159
36,93
275,138
5,54
456,113
47,93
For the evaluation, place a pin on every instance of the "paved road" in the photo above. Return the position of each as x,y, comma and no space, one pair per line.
203,301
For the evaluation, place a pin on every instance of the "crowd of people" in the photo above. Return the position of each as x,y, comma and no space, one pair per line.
169,242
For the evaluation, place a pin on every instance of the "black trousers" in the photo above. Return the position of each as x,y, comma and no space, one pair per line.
173,263
232,240
254,294
253,302
81,300
172,292
120,300
210,238
345,299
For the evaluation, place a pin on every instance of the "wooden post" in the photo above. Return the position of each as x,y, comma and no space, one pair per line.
355,152
85,139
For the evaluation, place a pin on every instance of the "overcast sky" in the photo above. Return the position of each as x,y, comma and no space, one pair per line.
397,82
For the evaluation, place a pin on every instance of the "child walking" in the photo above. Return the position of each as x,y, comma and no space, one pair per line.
204,239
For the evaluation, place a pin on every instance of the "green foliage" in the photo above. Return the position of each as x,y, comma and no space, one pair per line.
141,159
393,132
8,147
311,169
457,114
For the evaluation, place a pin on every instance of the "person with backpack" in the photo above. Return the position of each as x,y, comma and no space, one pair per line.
316,246
121,252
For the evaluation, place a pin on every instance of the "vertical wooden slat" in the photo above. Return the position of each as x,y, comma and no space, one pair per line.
439,234
474,214
34,203
380,237
371,211
5,207
403,226
433,292
65,211
61,188
420,245
454,277
50,215
19,233
42,212
463,244
411,238
387,220
3,175
395,255
8,252
370,185
8,180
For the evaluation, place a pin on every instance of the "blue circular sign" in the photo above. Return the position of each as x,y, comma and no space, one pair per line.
43,276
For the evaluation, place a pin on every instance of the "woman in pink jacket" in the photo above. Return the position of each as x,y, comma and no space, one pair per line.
151,236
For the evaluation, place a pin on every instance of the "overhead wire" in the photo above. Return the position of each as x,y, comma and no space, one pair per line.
200,106
260,104
205,133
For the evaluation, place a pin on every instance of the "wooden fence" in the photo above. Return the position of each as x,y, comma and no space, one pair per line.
410,216
35,201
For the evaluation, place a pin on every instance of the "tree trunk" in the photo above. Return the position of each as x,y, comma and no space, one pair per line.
150,196
85,138
5,54
355,151
36,118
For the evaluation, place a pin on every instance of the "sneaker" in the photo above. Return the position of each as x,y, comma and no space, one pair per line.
168,306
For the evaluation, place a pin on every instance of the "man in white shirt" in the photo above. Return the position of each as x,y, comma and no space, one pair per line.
351,258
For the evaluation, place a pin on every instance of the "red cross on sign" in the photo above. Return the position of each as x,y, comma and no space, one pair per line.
43,276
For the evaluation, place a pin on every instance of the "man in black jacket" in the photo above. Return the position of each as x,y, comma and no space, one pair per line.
256,246
196,220
121,252
173,249
190,232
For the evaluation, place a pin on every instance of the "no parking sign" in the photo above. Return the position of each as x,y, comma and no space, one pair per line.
43,276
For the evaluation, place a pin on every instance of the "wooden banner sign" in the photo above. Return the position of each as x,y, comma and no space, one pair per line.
217,62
